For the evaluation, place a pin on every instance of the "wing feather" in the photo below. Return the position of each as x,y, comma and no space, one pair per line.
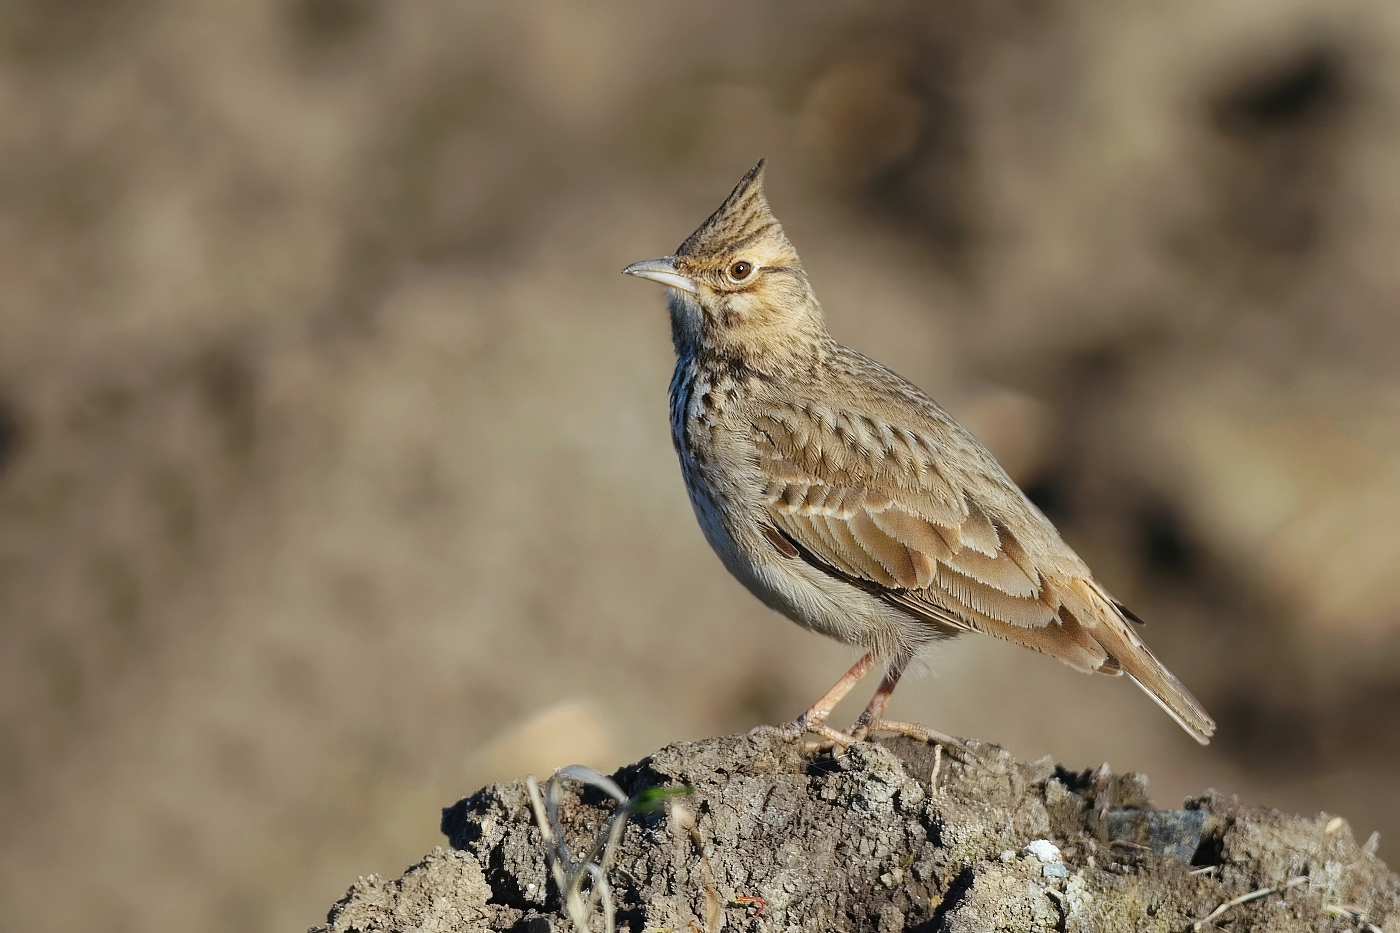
913,532
993,602
999,571
856,556
977,532
893,556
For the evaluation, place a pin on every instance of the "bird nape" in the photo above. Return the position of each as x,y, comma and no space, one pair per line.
844,497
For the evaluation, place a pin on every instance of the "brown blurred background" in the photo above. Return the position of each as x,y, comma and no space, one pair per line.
335,476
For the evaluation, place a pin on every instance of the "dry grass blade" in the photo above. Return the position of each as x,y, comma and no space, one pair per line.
1355,916
1245,899
587,775
568,874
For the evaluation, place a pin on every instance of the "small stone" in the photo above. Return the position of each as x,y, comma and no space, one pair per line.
1008,856
1043,849
891,919
1174,833
1055,870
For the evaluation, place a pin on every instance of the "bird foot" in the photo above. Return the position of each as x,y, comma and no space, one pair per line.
799,727
861,730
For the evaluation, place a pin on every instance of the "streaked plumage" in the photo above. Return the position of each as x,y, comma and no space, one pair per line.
844,497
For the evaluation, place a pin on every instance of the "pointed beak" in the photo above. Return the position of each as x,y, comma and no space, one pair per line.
661,270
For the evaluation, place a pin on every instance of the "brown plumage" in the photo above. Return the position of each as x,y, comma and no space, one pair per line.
844,497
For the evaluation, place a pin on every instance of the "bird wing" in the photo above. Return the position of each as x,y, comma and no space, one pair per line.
924,517
880,504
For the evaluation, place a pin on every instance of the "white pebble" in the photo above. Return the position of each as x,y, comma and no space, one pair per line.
1043,849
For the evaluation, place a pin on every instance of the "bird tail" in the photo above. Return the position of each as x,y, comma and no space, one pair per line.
1115,633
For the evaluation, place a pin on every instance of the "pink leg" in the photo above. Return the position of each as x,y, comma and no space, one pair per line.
873,719
875,711
814,720
823,707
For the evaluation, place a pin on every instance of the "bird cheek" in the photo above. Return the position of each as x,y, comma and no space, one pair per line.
717,313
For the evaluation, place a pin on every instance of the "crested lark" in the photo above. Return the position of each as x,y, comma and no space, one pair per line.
845,498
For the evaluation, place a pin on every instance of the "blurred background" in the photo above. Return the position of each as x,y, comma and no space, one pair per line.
335,475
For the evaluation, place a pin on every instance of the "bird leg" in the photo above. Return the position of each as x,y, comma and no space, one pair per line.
872,720
875,710
827,702
814,720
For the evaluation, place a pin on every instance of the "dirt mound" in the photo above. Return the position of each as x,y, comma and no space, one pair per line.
892,835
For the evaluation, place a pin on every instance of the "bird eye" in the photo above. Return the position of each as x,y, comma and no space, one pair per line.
740,270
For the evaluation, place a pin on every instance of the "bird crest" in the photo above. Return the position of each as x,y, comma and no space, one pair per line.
740,222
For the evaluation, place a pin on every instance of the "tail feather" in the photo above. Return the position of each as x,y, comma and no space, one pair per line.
1183,707
1117,637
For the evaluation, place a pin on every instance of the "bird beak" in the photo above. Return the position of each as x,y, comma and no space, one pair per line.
661,270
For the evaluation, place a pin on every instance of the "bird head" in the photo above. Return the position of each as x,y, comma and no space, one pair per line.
736,279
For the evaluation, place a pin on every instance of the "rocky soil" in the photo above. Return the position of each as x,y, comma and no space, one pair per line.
892,835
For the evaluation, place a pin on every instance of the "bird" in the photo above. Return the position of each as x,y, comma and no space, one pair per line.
844,497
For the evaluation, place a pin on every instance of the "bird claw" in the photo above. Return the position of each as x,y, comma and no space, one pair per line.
830,738
799,727
912,729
